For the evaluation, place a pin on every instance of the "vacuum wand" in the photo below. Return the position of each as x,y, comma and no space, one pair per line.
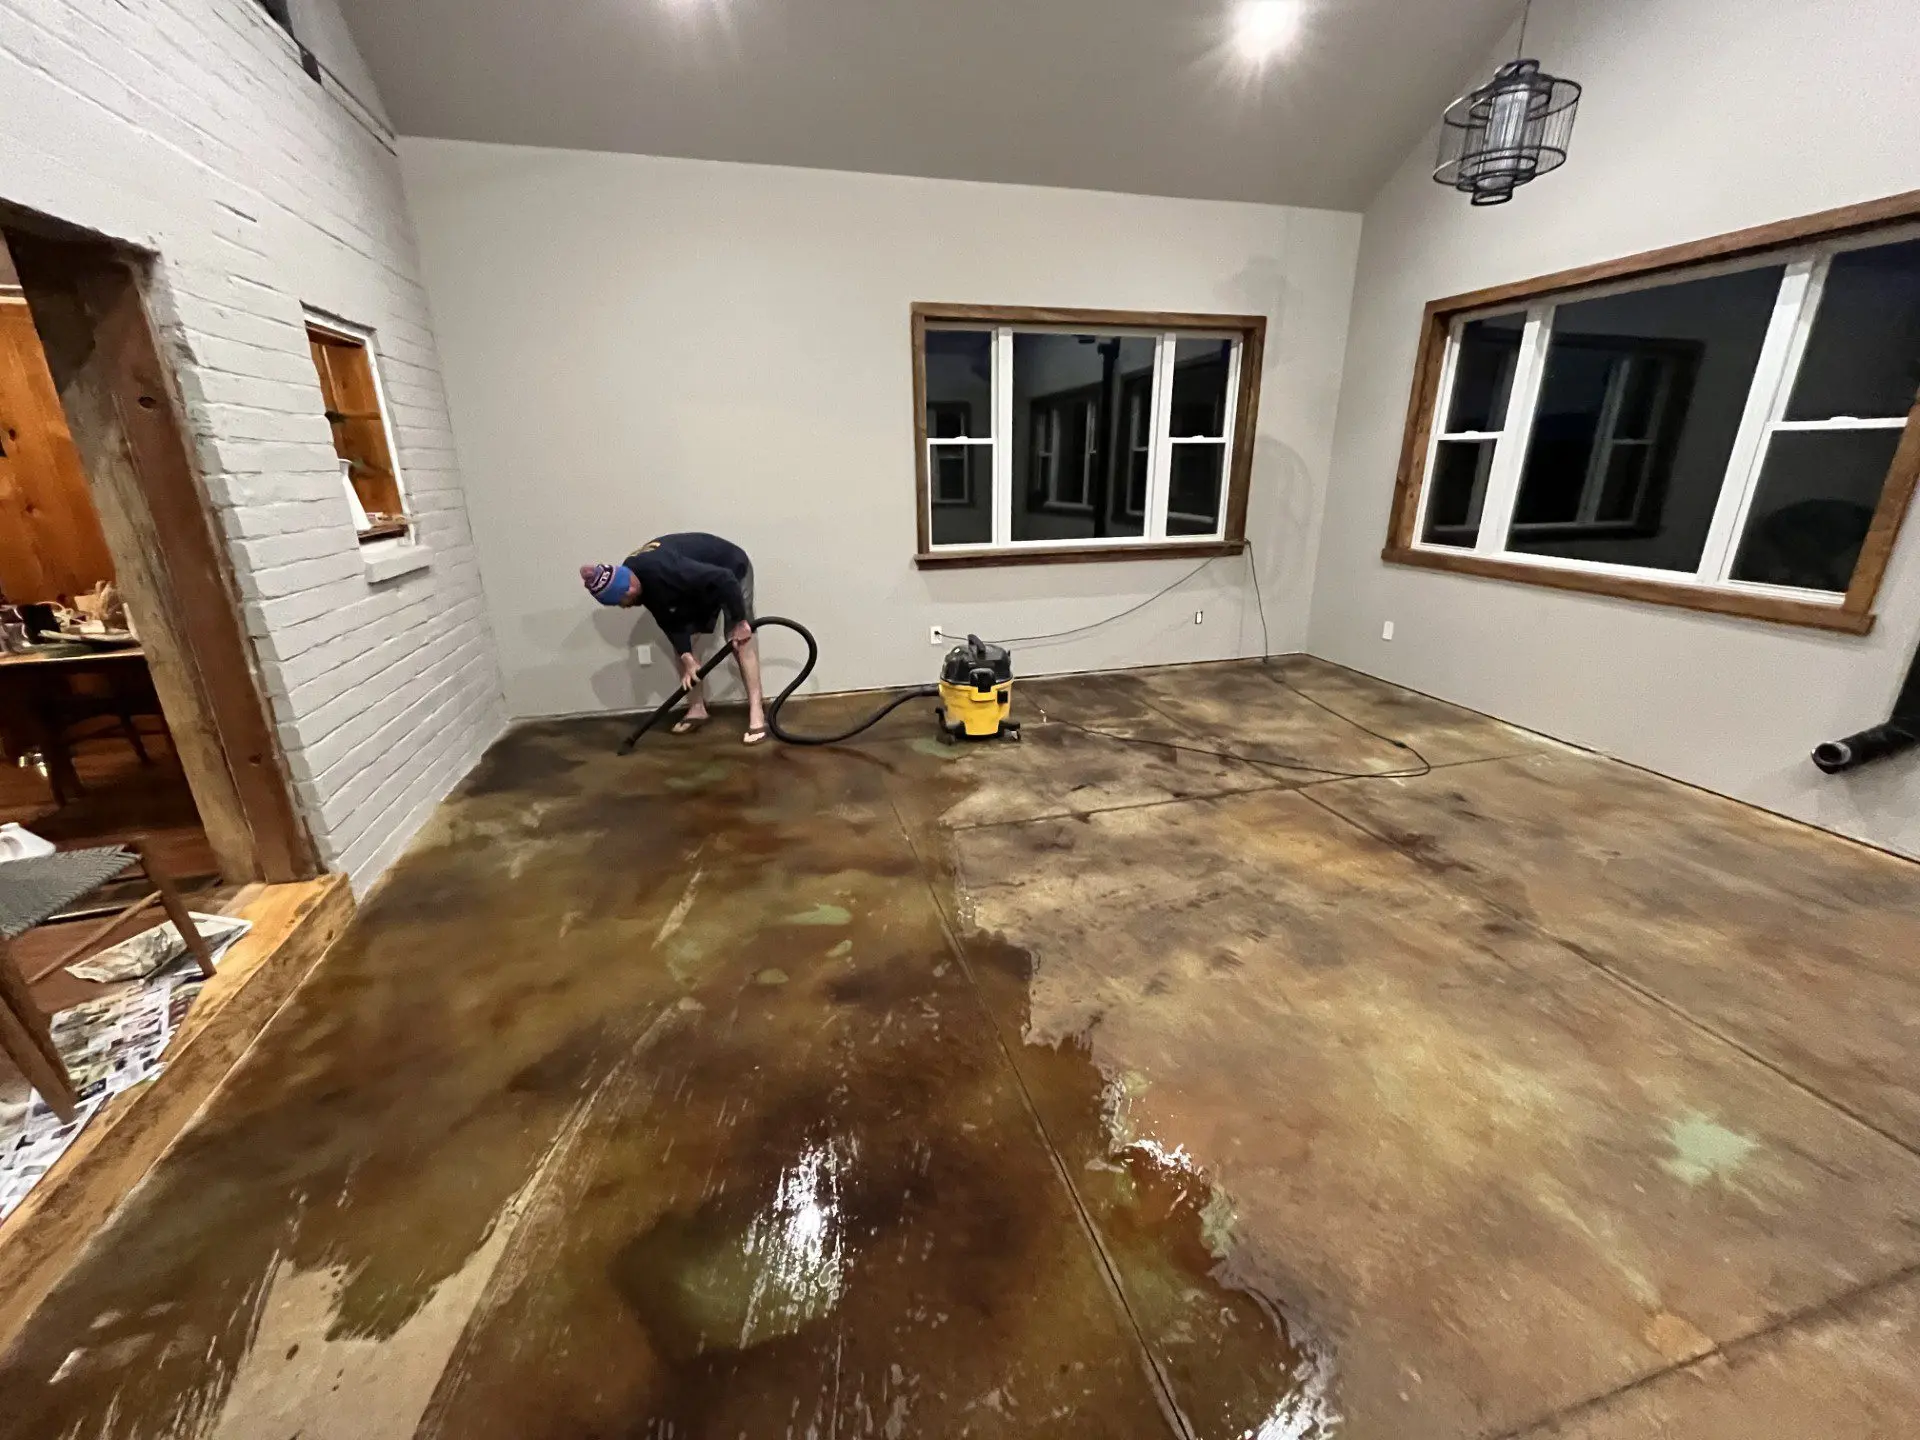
672,702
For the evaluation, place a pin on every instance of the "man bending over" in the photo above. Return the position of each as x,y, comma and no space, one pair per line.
687,582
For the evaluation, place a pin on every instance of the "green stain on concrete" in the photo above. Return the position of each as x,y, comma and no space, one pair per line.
772,975
686,961
822,915
1704,1149
938,749
841,951
708,774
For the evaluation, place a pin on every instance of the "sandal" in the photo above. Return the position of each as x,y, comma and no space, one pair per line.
754,736
687,725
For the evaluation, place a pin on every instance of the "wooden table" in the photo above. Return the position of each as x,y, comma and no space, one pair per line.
34,689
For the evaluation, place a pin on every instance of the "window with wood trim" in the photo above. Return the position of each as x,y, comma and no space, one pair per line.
1730,426
362,438
1073,434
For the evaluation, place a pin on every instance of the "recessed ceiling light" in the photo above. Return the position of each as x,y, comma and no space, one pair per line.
1263,28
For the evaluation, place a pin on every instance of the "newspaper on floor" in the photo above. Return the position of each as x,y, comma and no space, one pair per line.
153,950
109,1045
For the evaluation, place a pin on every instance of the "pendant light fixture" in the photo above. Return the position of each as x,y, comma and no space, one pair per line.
1511,130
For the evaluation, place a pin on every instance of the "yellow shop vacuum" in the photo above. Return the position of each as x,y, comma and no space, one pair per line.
976,693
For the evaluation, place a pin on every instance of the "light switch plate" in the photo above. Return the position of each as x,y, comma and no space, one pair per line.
1386,631
643,654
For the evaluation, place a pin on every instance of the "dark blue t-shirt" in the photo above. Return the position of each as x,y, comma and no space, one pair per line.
686,580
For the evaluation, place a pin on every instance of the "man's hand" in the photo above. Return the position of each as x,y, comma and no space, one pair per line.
741,633
689,671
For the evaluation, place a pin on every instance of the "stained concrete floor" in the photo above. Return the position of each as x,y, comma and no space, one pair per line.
1070,1088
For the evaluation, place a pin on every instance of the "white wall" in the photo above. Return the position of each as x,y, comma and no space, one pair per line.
637,345
1699,117
187,127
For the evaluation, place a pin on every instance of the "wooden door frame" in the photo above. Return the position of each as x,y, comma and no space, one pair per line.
128,422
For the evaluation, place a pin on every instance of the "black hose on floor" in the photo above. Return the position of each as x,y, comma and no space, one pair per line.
779,731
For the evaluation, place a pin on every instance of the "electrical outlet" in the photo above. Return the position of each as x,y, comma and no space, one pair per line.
643,654
1199,617
934,637
1386,631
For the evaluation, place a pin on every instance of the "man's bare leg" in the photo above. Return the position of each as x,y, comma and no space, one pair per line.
746,654
696,710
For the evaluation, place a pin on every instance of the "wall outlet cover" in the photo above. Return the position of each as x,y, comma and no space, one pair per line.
1199,617
1386,631
934,637
643,654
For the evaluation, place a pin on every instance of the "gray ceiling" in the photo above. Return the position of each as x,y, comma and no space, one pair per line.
1134,95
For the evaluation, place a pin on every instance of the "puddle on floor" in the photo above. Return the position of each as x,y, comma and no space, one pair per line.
750,1164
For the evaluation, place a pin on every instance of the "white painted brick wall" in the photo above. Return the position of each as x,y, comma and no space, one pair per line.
188,127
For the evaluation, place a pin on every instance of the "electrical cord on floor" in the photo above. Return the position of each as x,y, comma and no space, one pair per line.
1424,765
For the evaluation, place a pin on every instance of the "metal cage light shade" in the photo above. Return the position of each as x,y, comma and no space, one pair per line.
1511,130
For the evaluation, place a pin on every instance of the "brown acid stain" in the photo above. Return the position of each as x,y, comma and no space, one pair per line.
731,1206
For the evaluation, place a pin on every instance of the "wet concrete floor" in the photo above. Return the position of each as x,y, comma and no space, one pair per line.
1079,1087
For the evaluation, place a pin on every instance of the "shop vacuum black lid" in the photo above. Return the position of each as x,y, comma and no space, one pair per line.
977,663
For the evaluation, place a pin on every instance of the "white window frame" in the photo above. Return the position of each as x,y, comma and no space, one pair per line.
1160,443
934,494
1777,368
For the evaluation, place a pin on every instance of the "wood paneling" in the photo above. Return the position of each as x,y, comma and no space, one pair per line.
126,422
345,368
1853,616
51,544
1252,333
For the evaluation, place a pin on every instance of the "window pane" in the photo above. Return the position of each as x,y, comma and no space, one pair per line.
1664,371
960,384
1457,491
1817,494
1082,407
1863,357
1193,489
1483,373
960,493
1200,369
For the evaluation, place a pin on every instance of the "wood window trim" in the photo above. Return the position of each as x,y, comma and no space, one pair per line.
1250,330
1853,615
376,477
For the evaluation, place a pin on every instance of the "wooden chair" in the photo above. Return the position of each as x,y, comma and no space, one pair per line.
31,892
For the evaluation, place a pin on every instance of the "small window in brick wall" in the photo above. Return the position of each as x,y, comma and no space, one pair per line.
362,437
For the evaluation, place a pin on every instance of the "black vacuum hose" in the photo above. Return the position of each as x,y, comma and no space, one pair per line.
779,731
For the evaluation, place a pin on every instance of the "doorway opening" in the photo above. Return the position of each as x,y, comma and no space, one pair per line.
89,756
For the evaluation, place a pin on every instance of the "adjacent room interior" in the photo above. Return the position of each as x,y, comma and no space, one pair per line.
1092,717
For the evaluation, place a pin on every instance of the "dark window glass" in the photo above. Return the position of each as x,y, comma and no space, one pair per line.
1073,457
1200,387
1483,373
1193,489
1457,491
1816,497
1863,355
959,383
1640,401
960,492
